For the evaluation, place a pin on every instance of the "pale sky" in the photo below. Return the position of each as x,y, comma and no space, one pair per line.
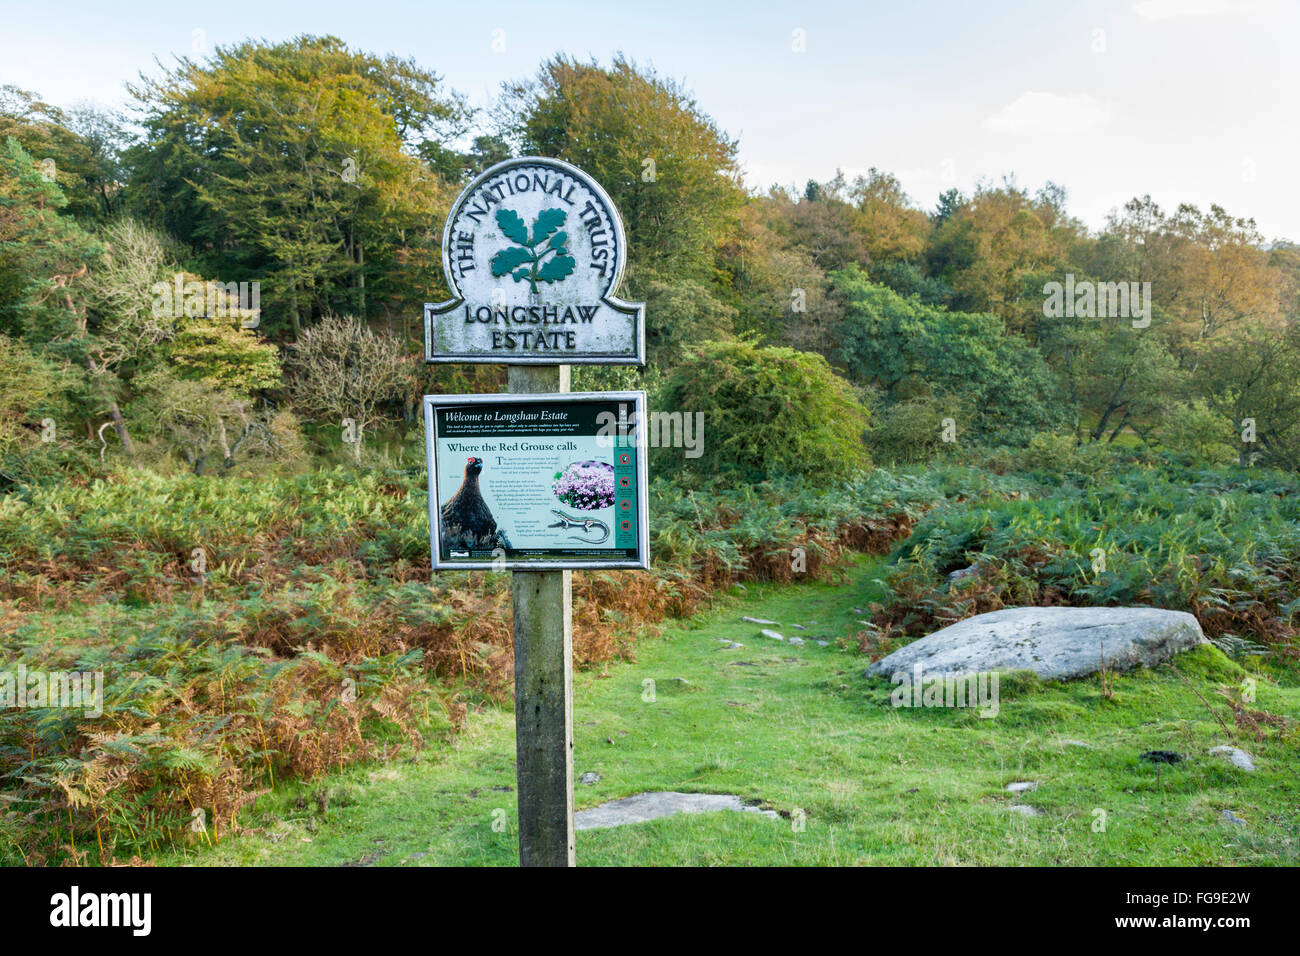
1188,100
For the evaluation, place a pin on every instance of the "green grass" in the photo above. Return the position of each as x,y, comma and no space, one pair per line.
802,731
220,684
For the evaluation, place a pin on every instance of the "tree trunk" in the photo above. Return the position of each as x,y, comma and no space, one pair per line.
361,277
119,426
1100,430
293,311
119,423
115,413
223,440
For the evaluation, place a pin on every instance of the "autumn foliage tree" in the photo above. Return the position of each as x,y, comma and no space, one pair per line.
297,164
670,170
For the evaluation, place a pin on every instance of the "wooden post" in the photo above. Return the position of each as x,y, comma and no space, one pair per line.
543,640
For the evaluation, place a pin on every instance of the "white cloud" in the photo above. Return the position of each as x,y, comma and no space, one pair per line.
1048,113
1168,9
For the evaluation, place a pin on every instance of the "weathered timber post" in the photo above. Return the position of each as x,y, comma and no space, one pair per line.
543,641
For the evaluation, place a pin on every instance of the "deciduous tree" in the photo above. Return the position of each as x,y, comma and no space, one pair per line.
343,370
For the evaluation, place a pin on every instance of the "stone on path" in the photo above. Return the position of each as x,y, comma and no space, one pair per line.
1056,643
1239,758
652,806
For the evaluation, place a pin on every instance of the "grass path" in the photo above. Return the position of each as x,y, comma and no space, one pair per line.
858,781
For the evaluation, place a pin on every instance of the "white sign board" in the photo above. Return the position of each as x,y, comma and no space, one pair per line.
533,250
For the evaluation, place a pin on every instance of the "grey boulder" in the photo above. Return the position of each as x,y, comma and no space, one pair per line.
1056,643
1239,758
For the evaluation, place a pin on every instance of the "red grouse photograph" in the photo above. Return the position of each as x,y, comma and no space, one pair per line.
685,436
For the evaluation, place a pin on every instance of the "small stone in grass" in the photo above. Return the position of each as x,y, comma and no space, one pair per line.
823,643
800,626
590,777
1024,809
652,806
1022,786
757,620
773,635
1239,758
1233,818
796,641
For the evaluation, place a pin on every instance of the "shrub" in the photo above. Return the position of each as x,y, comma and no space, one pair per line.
912,431
1195,429
768,411
1049,451
206,424
343,370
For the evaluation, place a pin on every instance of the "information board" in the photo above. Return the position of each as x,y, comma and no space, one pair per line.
537,481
